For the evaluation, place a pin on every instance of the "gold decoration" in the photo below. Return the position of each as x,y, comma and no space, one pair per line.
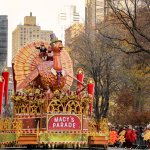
28,107
90,80
85,106
146,135
104,126
55,106
31,103
10,124
5,69
73,107
70,104
28,103
80,71
93,126
1,124
7,124
19,126
122,136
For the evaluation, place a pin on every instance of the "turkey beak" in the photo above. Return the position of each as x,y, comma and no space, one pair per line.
61,47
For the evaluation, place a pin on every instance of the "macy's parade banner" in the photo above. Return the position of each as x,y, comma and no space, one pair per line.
64,122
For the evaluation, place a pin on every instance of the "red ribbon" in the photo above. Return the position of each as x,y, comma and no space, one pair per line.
1,95
6,78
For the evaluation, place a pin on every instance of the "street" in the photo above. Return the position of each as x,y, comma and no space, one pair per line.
109,148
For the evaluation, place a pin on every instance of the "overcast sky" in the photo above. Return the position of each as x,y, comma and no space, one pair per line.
45,11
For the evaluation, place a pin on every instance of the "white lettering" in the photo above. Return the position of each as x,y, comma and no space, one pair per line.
57,125
72,119
65,124
60,119
67,119
64,119
54,125
61,124
74,124
56,119
70,125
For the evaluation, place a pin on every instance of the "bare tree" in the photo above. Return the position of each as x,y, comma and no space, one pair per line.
98,60
131,19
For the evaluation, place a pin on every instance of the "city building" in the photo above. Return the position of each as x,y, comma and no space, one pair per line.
72,32
67,17
3,40
95,11
27,33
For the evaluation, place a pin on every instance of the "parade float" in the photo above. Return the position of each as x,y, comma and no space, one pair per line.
46,112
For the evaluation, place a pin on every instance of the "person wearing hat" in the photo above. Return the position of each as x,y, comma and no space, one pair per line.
43,50
49,54
54,39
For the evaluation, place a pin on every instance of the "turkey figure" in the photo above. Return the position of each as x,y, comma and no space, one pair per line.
49,66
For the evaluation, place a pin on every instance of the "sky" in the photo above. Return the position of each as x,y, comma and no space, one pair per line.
46,12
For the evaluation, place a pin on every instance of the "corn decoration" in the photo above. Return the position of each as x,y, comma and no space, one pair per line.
146,135
121,138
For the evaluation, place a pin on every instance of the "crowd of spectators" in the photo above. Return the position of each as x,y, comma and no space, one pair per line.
130,137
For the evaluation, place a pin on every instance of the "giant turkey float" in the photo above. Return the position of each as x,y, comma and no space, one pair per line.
46,112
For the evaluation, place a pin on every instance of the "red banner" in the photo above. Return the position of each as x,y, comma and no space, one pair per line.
1,94
91,87
64,122
80,76
6,78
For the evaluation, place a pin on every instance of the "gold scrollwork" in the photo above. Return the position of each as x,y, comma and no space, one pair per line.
93,126
19,126
104,126
10,124
73,107
27,108
55,106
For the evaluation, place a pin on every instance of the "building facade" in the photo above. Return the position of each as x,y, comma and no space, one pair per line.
3,40
67,17
95,12
27,33
72,32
